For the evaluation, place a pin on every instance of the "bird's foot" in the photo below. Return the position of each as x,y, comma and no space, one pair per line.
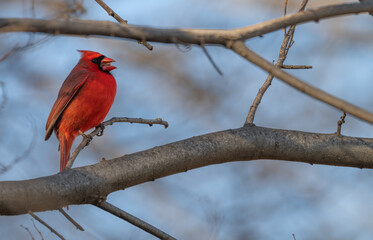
102,128
86,137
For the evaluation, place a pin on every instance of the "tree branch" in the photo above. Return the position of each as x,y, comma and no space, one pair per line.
90,184
4,168
296,66
210,59
240,48
134,220
46,225
4,95
339,124
284,49
120,20
111,12
28,231
36,228
113,120
191,36
77,225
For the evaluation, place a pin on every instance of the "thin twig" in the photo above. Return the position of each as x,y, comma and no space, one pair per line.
33,8
185,47
28,230
71,219
121,20
4,95
29,44
4,168
46,225
41,235
291,42
111,12
294,236
340,122
149,122
285,46
240,48
134,220
285,7
296,66
10,52
98,131
210,59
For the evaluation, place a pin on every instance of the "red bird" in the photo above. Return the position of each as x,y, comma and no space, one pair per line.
83,101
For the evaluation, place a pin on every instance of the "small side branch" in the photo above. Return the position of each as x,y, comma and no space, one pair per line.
210,59
45,224
340,122
71,219
134,220
285,46
28,231
4,97
121,20
98,131
9,53
296,66
41,235
111,12
150,122
29,44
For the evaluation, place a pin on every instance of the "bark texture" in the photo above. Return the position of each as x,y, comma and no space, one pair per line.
93,183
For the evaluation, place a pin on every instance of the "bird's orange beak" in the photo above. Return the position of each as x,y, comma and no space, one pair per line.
106,64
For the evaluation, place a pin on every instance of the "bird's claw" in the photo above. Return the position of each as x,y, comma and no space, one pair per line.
88,138
102,128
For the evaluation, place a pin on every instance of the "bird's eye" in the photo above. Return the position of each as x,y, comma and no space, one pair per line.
98,60
95,60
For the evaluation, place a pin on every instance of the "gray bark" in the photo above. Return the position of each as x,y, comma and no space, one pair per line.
90,184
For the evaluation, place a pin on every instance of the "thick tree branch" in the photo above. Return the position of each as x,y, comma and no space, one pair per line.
191,36
87,185
241,49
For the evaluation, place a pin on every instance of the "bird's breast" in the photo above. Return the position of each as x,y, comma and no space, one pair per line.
90,105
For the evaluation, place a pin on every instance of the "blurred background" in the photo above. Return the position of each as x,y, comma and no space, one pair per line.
244,200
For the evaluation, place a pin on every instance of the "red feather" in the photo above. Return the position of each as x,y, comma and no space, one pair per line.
83,101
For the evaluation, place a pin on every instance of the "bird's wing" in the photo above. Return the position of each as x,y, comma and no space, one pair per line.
69,88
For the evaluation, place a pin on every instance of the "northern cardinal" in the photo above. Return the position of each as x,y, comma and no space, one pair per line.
83,101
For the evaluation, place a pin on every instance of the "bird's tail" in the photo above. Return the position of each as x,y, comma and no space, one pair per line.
65,145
